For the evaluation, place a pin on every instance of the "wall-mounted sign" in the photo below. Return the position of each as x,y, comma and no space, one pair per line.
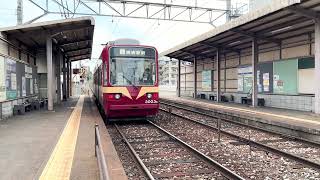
24,88
28,71
245,79
206,81
36,90
266,82
31,86
2,79
11,80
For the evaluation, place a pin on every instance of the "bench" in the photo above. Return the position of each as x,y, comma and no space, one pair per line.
212,97
35,104
246,100
223,98
22,108
43,102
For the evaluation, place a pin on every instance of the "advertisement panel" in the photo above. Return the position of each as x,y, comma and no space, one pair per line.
206,80
265,77
2,79
245,79
11,79
24,88
28,71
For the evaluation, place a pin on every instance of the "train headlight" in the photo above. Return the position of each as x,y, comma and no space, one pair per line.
117,96
149,95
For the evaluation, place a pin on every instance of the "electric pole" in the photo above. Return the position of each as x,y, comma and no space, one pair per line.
228,8
19,12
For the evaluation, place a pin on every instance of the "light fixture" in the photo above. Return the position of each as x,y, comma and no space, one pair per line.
233,43
117,96
149,95
281,29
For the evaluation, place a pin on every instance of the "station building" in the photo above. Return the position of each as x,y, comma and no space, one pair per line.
277,47
35,61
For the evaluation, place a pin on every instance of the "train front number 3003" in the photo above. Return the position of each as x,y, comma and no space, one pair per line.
151,101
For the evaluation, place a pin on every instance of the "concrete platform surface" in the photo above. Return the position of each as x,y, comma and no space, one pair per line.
297,120
26,141
56,145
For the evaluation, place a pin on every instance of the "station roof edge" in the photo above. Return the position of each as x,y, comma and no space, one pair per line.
274,6
48,23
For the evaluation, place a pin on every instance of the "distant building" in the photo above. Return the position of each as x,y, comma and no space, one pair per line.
168,70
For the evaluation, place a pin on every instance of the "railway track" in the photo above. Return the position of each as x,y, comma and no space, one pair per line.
164,156
305,152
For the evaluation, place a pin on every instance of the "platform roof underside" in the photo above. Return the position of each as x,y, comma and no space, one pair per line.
270,25
74,36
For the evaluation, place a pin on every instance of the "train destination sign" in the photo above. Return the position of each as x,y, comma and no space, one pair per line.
132,52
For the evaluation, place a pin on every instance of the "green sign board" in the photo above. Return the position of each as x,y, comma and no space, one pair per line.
285,77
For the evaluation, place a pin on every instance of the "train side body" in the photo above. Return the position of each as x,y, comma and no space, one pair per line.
121,76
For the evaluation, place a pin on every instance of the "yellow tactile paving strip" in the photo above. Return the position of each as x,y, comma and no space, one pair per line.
60,163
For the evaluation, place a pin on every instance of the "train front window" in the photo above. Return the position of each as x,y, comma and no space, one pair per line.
134,66
132,71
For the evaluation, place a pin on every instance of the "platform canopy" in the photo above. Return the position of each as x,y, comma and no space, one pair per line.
270,26
74,36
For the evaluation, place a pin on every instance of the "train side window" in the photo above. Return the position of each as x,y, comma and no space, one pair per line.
105,76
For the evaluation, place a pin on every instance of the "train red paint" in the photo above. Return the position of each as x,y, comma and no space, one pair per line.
126,82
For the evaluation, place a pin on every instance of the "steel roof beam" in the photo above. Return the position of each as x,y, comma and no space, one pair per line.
74,42
79,55
309,13
195,54
45,32
217,46
81,58
257,36
75,50
183,56
283,25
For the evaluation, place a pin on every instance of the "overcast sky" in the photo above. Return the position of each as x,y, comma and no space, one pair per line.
161,34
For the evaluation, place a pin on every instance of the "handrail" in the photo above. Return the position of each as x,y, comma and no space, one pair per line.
103,170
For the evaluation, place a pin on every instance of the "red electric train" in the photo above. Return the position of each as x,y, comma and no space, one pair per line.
126,82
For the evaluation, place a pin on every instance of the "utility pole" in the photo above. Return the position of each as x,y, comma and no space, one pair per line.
19,12
228,8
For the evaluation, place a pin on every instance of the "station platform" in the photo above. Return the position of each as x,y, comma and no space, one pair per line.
301,124
56,144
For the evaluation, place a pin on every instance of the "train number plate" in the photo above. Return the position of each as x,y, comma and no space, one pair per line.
151,101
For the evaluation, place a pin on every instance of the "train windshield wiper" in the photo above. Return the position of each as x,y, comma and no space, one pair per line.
130,82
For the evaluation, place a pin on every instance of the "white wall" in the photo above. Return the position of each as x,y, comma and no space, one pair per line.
306,81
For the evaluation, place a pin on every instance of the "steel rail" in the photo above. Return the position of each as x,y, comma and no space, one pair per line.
135,154
253,143
224,170
190,108
103,169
